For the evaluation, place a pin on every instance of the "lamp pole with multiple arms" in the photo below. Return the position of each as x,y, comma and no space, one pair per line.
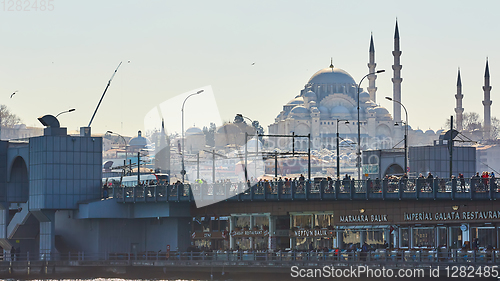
358,156
246,149
338,149
66,111
183,171
406,133
124,142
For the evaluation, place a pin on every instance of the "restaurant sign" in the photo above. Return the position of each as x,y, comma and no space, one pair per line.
311,232
451,216
249,233
363,218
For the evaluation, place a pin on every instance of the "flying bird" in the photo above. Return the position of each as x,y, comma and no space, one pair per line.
253,63
13,94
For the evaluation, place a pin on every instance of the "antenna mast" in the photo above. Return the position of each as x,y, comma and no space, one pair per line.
109,83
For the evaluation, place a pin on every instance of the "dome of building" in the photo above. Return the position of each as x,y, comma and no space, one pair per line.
299,110
429,132
419,131
340,110
228,128
297,100
364,97
331,76
310,94
138,141
324,112
194,131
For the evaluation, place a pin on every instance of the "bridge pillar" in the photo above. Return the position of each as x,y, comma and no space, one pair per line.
47,247
4,222
362,238
271,243
231,229
252,239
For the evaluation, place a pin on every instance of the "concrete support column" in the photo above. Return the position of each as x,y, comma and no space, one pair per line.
252,223
47,240
47,247
387,236
4,222
231,229
362,238
410,229
272,235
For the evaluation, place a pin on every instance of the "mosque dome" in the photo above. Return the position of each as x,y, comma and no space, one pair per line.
138,141
194,131
297,100
324,112
382,114
310,94
364,97
331,76
340,110
299,109
429,132
229,128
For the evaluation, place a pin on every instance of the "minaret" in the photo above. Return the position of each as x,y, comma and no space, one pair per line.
459,110
487,103
371,69
396,80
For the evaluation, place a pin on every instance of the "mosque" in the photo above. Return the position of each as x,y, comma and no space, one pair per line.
329,100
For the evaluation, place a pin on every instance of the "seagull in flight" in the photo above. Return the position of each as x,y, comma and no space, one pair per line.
13,94
253,63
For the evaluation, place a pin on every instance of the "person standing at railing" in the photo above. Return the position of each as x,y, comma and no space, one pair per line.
474,182
493,183
462,181
485,178
430,179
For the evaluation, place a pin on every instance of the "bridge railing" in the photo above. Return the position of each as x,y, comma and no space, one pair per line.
377,189
379,256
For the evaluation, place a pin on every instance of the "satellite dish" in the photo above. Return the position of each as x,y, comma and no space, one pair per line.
49,121
450,133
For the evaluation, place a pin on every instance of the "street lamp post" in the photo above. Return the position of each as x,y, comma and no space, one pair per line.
406,133
66,111
338,149
246,149
358,156
183,171
124,142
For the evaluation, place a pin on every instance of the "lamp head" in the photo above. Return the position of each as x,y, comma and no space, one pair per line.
200,91
380,71
388,98
71,110
109,132
346,122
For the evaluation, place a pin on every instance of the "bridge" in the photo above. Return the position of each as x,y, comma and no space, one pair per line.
387,189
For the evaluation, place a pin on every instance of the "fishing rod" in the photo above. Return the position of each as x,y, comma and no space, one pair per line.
109,83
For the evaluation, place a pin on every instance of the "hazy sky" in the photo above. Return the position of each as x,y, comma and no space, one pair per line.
64,58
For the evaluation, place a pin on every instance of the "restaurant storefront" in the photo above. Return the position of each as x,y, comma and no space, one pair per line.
210,233
348,225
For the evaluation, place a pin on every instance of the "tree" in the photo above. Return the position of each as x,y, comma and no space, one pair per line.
210,134
239,119
471,121
7,118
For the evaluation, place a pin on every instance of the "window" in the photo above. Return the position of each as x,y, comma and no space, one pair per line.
423,237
